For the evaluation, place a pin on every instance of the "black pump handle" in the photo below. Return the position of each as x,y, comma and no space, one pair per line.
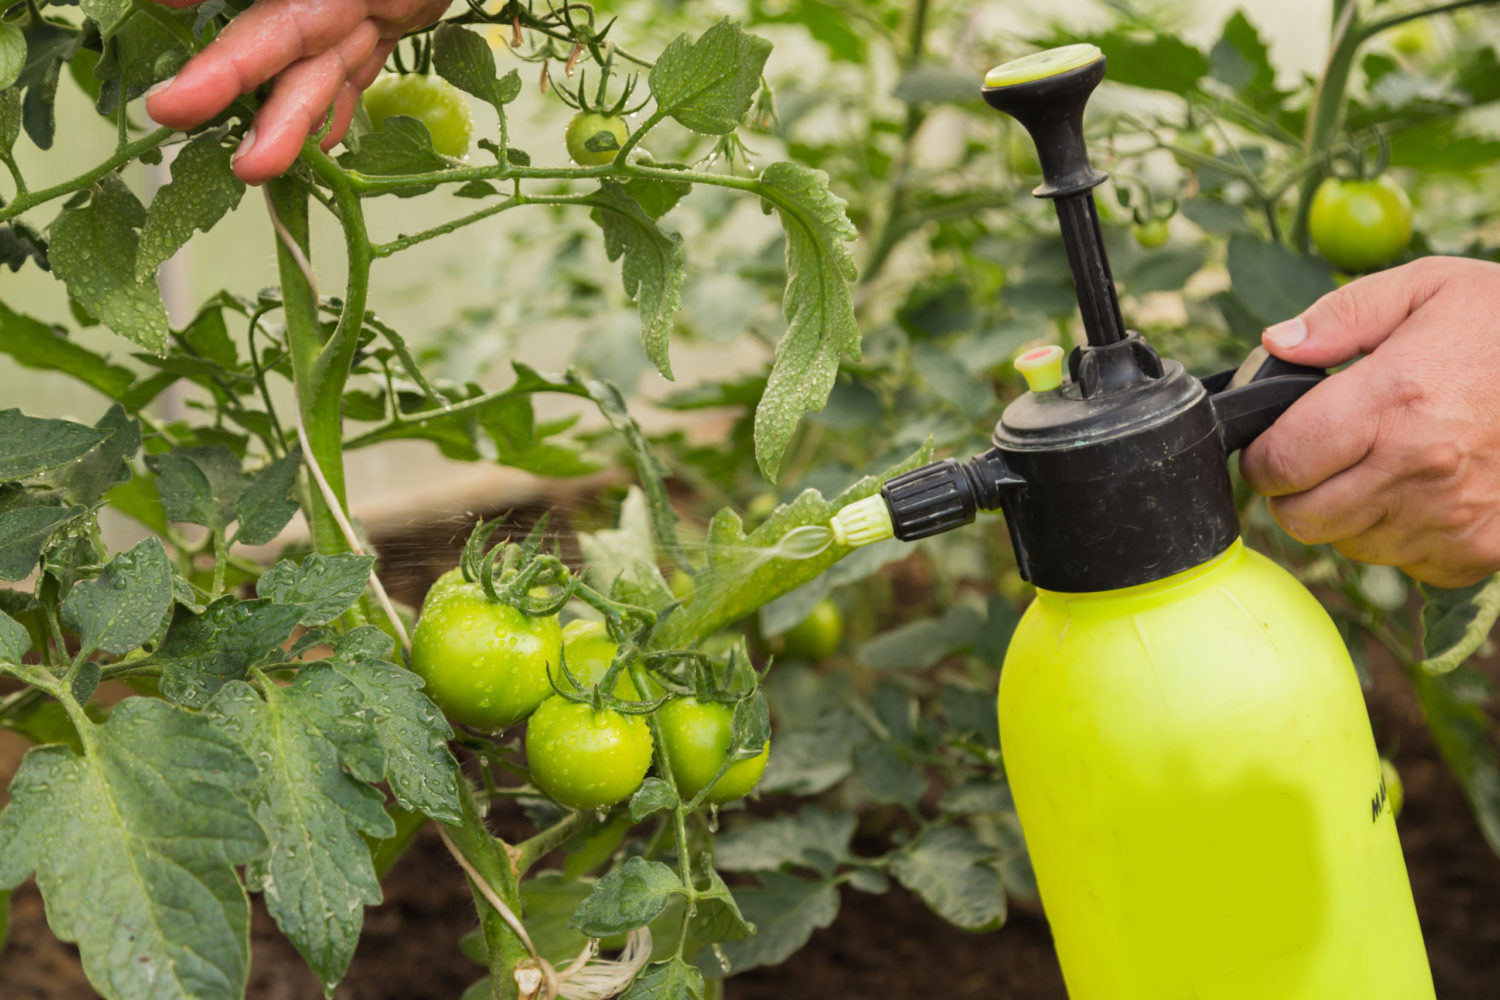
1248,399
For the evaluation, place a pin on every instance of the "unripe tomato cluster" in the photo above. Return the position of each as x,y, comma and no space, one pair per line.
486,665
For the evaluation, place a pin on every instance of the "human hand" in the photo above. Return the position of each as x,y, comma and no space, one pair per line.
323,53
1395,460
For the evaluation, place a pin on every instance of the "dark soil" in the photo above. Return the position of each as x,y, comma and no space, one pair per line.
888,946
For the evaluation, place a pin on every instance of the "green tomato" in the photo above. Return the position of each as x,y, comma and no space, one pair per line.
484,664
1360,225
588,650
585,759
817,636
1395,792
433,101
1150,234
594,139
682,585
695,736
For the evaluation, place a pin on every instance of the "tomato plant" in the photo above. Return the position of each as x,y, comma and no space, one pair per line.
1359,225
241,659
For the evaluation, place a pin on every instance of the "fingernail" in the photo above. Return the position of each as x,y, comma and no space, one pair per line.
1288,334
246,144
163,85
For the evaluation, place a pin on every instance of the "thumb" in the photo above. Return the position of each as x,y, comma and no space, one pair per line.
1357,318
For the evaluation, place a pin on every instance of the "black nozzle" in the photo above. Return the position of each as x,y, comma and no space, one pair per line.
946,494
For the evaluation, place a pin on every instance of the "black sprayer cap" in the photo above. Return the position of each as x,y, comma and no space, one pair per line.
1116,474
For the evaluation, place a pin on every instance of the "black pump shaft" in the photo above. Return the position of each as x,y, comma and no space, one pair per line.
1046,93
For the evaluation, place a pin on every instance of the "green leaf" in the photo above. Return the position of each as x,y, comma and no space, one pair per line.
952,871
203,190
707,85
29,445
323,586
94,251
1456,622
202,652
318,876
627,898
407,742
134,845
1272,282
655,196
199,484
25,532
1453,704
808,839
15,641
785,911
626,553
741,575
464,59
978,795
1150,60
920,644
653,268
265,507
88,479
886,778
128,602
108,14
12,61
818,306
34,344
402,146
673,979
652,797
1243,60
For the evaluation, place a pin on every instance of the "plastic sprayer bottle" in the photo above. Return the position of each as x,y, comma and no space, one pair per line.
1182,727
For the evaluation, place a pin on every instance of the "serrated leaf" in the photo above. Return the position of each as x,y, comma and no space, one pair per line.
920,644
199,484
818,305
952,871
673,979
25,532
652,270
15,641
34,344
202,191
656,197
766,845
30,445
1455,622
264,508
402,146
88,479
405,727
707,84
627,898
134,844
202,652
324,586
886,778
464,59
318,876
785,911
125,606
94,250
108,14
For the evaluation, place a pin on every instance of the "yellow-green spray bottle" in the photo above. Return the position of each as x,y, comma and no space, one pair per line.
1182,727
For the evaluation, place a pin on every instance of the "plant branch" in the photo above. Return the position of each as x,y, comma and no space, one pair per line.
528,852
26,201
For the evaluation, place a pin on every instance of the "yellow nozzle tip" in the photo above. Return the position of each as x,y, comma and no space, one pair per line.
863,522
1041,367
1040,65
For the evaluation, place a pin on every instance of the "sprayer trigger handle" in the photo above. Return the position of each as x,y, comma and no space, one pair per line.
1247,400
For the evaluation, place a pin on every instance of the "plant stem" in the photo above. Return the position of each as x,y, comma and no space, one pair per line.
489,859
528,852
26,201
405,242
1328,111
